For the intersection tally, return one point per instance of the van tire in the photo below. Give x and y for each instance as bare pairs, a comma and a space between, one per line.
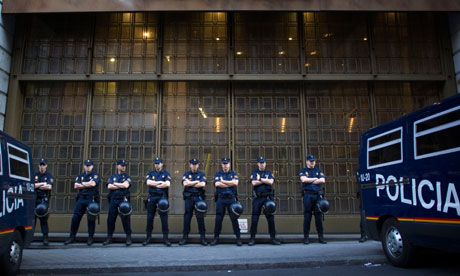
397, 248
11, 257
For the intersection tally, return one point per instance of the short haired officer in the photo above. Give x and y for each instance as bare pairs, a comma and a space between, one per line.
118, 185
226, 182
312, 178
87, 184
44, 182
158, 182
194, 182
262, 181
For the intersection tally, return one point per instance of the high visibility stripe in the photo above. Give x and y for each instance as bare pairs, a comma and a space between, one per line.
7, 231
416, 219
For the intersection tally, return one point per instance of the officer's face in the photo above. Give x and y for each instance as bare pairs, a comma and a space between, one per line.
158, 166
121, 169
194, 167
262, 165
311, 163
42, 168
88, 169
226, 167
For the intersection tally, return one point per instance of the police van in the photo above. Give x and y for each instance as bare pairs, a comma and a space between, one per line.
17, 202
409, 172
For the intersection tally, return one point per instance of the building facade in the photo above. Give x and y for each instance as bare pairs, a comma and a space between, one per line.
203, 84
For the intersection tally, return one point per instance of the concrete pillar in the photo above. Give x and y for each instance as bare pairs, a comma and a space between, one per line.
454, 22
6, 51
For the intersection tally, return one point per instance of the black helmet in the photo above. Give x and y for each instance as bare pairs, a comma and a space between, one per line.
323, 205
93, 210
41, 210
125, 209
269, 207
236, 210
163, 206
201, 207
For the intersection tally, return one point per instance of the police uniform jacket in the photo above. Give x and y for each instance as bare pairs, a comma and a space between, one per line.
86, 177
194, 176
45, 177
263, 174
158, 176
311, 173
229, 176
119, 178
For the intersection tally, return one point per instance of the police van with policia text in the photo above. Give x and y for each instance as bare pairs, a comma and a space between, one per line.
409, 172
17, 202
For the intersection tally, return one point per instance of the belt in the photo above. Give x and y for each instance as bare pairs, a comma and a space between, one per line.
156, 193
264, 194
311, 192
86, 196
118, 197
225, 196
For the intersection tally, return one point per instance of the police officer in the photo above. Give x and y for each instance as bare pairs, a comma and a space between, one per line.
44, 182
158, 182
87, 184
262, 181
194, 182
226, 182
118, 186
312, 178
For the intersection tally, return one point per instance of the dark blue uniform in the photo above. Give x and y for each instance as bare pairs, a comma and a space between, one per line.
262, 193
84, 198
225, 198
155, 194
311, 194
116, 197
43, 196
191, 196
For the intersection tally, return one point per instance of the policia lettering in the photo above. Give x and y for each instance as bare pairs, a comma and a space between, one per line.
158, 182
312, 178
194, 182
262, 180
87, 184
44, 182
118, 197
226, 182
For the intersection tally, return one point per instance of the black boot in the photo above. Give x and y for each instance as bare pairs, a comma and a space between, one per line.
238, 241
203, 240
215, 241
90, 240
274, 241
70, 240
305, 239
363, 238
128, 240
184, 240
45, 240
252, 240
107, 241
147, 239
166, 240
321, 239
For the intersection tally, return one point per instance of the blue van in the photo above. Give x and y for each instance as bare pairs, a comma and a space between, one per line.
409, 172
17, 202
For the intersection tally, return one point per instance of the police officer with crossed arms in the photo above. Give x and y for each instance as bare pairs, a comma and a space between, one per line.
118, 197
312, 179
87, 184
226, 182
44, 182
158, 182
194, 182
262, 181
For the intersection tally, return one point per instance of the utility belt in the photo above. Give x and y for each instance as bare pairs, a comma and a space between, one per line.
217, 195
309, 192
188, 195
269, 194
41, 199
86, 197
157, 193
118, 197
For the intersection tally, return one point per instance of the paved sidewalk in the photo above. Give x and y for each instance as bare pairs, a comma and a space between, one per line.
79, 258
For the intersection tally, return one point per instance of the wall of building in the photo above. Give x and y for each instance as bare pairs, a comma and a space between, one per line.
6, 51
454, 22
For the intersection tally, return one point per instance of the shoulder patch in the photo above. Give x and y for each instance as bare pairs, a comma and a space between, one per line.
95, 176
51, 180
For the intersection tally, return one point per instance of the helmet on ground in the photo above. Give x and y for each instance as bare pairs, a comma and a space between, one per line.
163, 206
236, 210
125, 209
201, 207
269, 207
41, 210
323, 205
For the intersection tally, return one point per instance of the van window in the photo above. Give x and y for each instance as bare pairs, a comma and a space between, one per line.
385, 149
18, 160
437, 134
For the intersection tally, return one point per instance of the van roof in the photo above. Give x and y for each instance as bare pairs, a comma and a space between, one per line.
15, 141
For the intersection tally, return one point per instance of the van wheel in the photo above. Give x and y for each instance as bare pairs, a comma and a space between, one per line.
11, 257
397, 248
